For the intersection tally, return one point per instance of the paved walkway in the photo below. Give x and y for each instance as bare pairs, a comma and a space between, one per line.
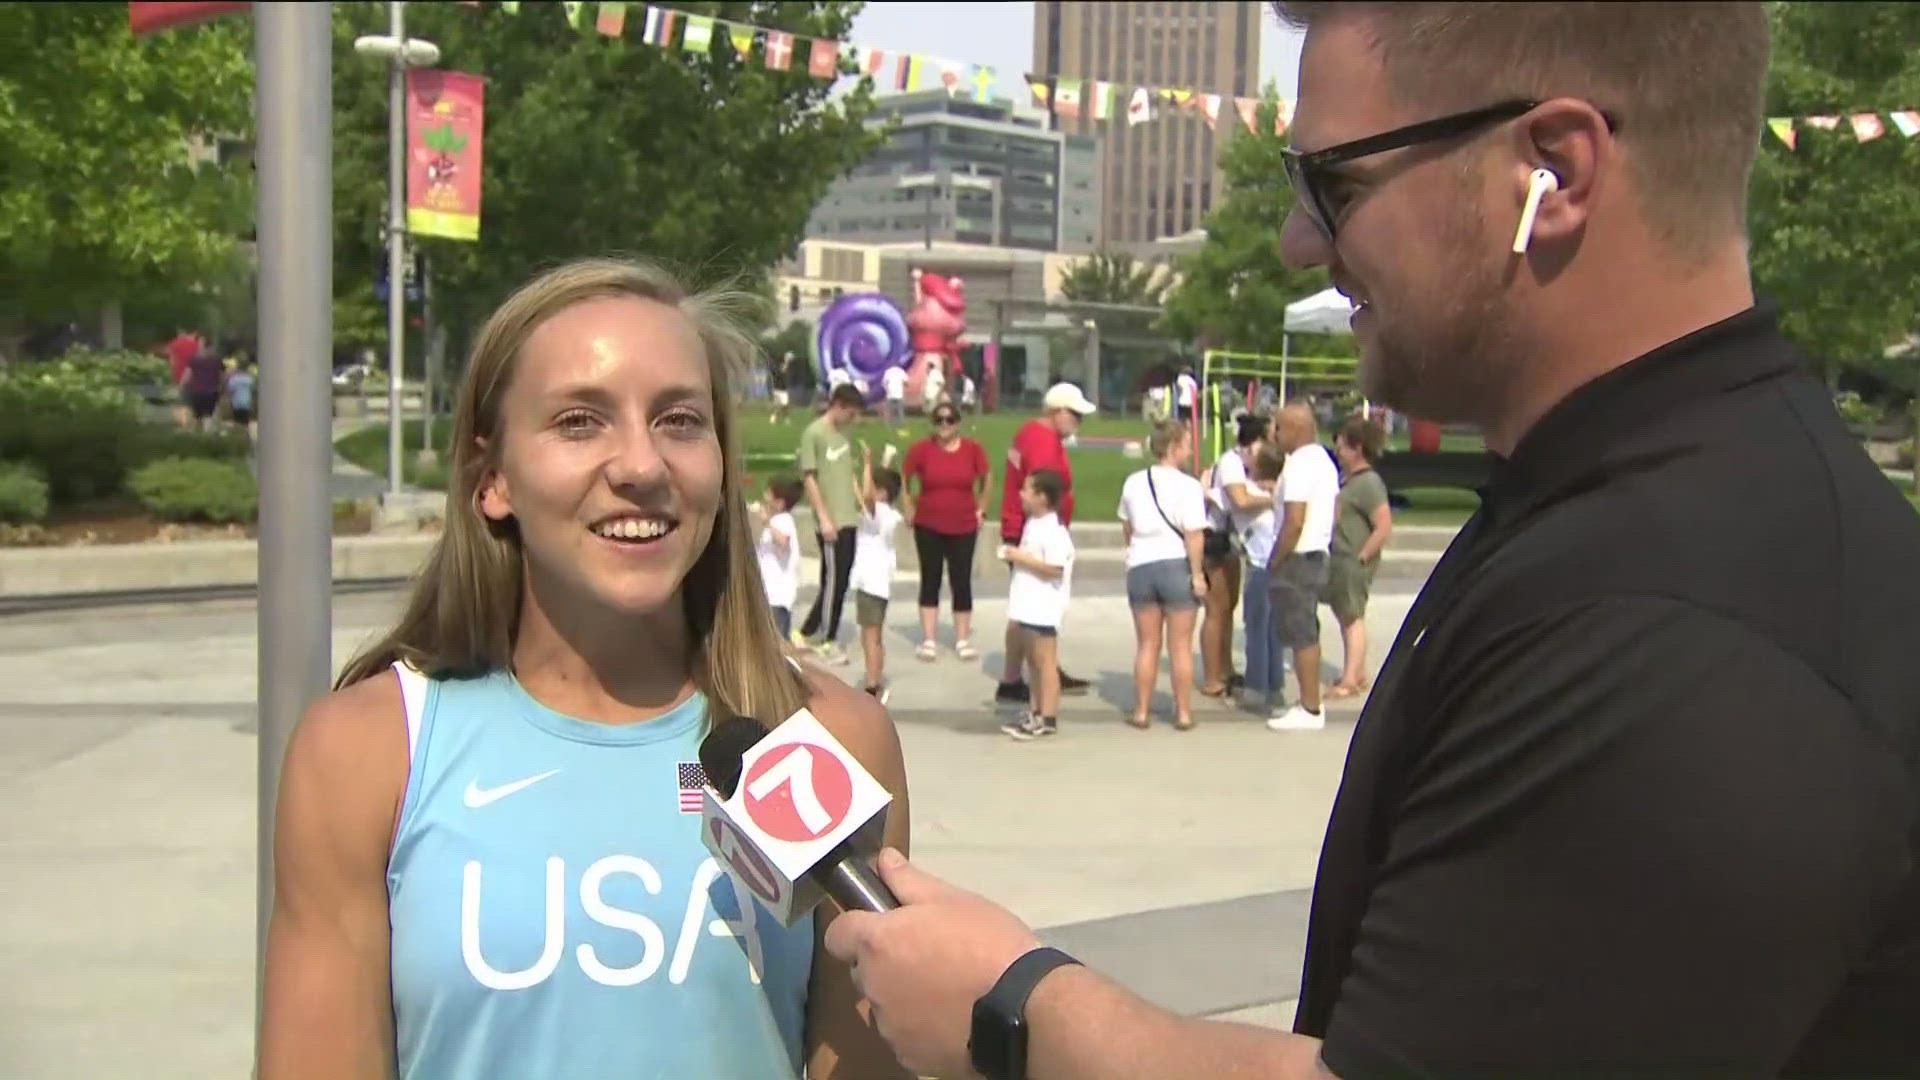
1179, 861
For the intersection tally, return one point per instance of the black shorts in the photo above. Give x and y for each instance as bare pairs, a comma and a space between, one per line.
1038, 631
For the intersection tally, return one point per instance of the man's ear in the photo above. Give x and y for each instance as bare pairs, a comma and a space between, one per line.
492, 496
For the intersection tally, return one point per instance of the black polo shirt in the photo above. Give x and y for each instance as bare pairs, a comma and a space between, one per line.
1635, 794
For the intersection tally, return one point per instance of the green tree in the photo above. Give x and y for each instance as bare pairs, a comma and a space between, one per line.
596, 145
1835, 223
1114, 278
1233, 292
101, 200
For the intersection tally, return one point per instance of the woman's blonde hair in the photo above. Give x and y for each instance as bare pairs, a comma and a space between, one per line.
464, 613
1164, 438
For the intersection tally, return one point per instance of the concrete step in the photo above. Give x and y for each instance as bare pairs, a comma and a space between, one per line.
1426, 540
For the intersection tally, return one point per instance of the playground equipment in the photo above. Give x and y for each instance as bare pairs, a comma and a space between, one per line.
1289, 375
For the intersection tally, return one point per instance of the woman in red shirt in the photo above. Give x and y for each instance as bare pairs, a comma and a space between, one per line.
949, 506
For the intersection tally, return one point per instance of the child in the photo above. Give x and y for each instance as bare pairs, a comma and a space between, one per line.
1266, 661
779, 551
1037, 596
873, 564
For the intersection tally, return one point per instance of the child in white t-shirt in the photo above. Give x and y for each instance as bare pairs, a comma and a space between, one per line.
874, 559
778, 551
1037, 597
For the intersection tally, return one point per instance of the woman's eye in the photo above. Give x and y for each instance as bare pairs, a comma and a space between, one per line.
575, 423
684, 421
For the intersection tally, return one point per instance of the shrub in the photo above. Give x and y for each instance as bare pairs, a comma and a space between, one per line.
151, 442
196, 489
23, 494
75, 432
123, 368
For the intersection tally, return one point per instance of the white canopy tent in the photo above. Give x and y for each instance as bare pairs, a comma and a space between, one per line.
1325, 312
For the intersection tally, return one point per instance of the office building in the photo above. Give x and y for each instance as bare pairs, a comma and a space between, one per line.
1160, 177
960, 171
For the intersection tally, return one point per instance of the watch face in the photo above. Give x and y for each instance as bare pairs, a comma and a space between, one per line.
998, 1045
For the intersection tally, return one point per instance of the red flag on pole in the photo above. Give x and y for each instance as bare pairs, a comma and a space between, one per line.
145, 18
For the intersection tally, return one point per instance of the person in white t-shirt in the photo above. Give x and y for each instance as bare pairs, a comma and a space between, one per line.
874, 559
1042, 576
893, 385
778, 551
933, 388
1297, 568
1231, 504
1163, 518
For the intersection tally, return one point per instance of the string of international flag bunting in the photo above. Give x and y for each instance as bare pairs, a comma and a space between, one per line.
1095, 99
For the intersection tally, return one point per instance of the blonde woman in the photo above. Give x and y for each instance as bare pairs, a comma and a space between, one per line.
484, 867
1163, 518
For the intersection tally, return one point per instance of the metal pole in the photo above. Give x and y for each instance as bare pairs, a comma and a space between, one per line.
293, 72
1093, 362
396, 239
432, 338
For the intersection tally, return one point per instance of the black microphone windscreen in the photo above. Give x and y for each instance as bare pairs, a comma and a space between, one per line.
722, 749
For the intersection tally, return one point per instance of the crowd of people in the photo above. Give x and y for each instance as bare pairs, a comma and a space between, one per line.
1279, 525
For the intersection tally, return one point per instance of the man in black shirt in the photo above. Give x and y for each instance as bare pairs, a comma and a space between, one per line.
1635, 792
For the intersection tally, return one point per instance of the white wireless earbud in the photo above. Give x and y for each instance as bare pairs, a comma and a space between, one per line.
1541, 182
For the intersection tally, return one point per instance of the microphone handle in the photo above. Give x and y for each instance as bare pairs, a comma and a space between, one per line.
853, 883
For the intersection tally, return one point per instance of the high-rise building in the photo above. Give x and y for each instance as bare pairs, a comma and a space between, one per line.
1161, 176
955, 170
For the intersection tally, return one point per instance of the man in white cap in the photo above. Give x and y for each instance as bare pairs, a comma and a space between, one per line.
1039, 444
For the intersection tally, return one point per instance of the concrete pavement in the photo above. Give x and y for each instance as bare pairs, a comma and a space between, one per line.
1180, 861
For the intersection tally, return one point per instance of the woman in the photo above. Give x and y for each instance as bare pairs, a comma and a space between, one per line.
1231, 506
483, 864
1362, 522
1163, 519
949, 506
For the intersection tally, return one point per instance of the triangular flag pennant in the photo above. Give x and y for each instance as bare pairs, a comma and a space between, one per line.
823, 58
574, 9
699, 34
1866, 126
612, 20
779, 50
1183, 98
871, 59
1066, 97
1249, 110
1140, 107
1101, 105
950, 76
1908, 121
1283, 117
741, 37
1824, 123
906, 73
659, 29
1210, 106
511, 7
1782, 128
982, 82
1042, 90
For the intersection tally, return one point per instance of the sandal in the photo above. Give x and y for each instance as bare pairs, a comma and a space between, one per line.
1183, 723
1216, 691
964, 649
1141, 722
1346, 690
927, 650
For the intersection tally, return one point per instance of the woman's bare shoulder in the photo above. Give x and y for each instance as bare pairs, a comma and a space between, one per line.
353, 741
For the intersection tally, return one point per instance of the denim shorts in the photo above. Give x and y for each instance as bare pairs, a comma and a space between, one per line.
1164, 583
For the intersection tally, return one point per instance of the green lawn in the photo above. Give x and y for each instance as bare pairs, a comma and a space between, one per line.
768, 447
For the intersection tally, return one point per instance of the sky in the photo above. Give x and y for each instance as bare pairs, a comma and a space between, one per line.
1000, 35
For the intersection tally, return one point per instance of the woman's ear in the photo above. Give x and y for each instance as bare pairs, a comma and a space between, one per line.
491, 494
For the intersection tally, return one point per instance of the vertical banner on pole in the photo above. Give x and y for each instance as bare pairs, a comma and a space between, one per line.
444, 119
147, 18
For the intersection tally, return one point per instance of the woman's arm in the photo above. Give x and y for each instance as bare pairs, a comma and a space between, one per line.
983, 483
1377, 539
328, 1009
842, 1043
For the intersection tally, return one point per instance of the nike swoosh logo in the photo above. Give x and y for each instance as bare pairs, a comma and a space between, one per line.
838, 452
478, 796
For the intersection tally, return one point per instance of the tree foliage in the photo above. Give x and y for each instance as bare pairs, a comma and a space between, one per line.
596, 145
1835, 223
1234, 292
99, 196
1114, 278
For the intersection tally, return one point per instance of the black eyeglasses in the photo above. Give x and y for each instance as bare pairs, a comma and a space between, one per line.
1324, 194
946, 418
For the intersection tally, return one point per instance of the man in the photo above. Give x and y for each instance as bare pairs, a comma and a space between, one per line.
893, 388
1634, 793
783, 374
1297, 569
1039, 444
827, 470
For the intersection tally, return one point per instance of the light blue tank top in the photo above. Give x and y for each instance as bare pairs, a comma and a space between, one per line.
555, 914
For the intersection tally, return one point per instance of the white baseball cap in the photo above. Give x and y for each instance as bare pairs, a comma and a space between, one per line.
1065, 395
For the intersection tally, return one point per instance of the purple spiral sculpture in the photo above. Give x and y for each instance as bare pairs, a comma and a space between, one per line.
865, 334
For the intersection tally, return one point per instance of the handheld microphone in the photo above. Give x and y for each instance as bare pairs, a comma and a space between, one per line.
794, 816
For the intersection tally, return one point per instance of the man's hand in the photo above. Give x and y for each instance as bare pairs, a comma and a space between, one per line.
925, 963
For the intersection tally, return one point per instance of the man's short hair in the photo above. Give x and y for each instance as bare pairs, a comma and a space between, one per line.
1365, 435
847, 396
1050, 484
1684, 82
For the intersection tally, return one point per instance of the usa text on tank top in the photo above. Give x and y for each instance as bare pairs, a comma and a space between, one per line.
554, 913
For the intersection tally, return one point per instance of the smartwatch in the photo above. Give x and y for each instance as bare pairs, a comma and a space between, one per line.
998, 1043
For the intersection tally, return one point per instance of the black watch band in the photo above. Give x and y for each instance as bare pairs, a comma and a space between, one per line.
998, 1043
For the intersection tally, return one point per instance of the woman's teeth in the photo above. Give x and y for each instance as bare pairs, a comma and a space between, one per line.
634, 529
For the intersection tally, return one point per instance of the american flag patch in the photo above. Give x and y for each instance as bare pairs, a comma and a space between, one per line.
692, 781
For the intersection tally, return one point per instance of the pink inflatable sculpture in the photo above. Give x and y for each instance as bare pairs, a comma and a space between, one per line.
934, 327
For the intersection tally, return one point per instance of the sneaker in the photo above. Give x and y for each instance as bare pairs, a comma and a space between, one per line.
1296, 718
927, 650
799, 641
964, 649
1071, 685
881, 693
1030, 727
828, 652
1017, 726
1012, 693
